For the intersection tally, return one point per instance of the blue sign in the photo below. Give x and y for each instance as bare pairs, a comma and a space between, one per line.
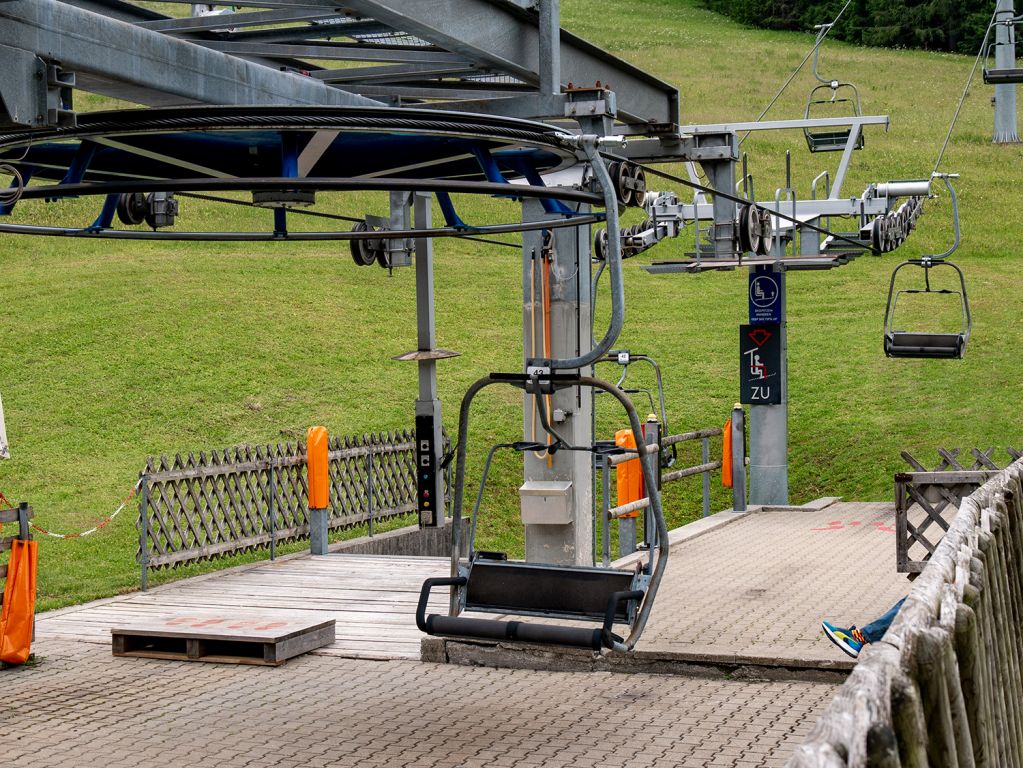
765, 297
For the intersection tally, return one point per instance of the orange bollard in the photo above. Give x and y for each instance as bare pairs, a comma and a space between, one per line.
629, 473
316, 458
726, 454
18, 612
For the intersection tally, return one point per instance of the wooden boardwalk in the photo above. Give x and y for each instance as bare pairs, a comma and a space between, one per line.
371, 598
739, 589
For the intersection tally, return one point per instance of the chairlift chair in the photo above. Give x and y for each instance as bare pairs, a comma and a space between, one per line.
949, 346
916, 344
994, 74
842, 100
488, 582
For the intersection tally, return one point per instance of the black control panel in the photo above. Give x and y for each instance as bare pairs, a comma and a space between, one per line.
426, 471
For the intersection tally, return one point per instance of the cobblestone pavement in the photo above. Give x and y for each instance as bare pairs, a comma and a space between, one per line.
759, 586
82, 707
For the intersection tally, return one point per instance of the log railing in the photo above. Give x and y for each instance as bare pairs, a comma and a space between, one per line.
944, 687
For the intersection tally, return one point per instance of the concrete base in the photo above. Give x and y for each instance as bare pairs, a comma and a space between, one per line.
481, 653
411, 542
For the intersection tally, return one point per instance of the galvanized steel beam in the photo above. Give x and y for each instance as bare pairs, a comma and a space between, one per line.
120, 59
507, 39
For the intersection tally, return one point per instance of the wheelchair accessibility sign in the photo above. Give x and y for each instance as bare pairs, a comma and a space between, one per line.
764, 296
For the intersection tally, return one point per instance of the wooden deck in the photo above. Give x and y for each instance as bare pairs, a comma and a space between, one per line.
371, 598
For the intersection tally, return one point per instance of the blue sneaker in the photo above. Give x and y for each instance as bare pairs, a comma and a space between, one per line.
850, 640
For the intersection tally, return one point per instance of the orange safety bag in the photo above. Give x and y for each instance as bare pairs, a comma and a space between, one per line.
318, 468
16, 617
726, 454
629, 473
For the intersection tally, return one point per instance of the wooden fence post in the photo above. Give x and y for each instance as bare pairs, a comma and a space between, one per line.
908, 722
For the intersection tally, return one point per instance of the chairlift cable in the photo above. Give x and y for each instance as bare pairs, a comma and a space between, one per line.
966, 90
322, 215
817, 44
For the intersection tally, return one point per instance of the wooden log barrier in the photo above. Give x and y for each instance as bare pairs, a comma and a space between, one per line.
944, 688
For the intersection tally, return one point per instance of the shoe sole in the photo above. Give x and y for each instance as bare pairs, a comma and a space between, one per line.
840, 643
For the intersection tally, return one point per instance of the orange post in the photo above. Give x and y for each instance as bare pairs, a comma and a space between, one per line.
316, 458
629, 475
18, 612
726, 454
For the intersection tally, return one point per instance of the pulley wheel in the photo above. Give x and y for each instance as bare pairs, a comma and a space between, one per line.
639, 183
600, 245
765, 232
131, 208
749, 229
877, 235
621, 176
362, 254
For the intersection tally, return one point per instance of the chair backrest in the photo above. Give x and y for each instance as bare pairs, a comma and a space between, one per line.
532, 589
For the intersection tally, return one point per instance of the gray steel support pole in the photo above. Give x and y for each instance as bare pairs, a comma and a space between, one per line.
738, 459
605, 508
705, 457
144, 532
721, 175
318, 531
1006, 127
626, 536
571, 335
769, 429
273, 512
428, 404
651, 436
550, 46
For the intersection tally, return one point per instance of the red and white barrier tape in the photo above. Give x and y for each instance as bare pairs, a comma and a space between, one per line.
95, 528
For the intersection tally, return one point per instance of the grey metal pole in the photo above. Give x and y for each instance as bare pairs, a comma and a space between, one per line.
1006, 129
769, 429
565, 274
144, 531
369, 491
739, 458
605, 504
705, 456
273, 511
651, 436
430, 485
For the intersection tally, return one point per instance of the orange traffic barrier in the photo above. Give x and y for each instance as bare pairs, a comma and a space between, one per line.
629, 473
726, 454
317, 464
18, 612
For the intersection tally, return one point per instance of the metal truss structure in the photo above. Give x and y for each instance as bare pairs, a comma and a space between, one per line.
592, 131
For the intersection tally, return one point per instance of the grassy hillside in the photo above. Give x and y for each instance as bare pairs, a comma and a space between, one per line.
113, 352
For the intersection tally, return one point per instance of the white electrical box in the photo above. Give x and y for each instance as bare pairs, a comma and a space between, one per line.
546, 502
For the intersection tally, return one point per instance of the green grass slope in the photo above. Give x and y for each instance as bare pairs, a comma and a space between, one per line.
112, 352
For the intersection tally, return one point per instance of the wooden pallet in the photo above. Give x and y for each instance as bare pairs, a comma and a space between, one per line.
266, 639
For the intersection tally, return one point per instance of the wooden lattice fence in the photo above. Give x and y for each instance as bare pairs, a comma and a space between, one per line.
942, 688
197, 507
927, 500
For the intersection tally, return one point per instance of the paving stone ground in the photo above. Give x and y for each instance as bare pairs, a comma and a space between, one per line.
756, 586
82, 707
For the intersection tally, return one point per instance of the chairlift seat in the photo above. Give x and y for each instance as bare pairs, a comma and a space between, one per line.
536, 589
1006, 76
584, 593
944, 346
831, 141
